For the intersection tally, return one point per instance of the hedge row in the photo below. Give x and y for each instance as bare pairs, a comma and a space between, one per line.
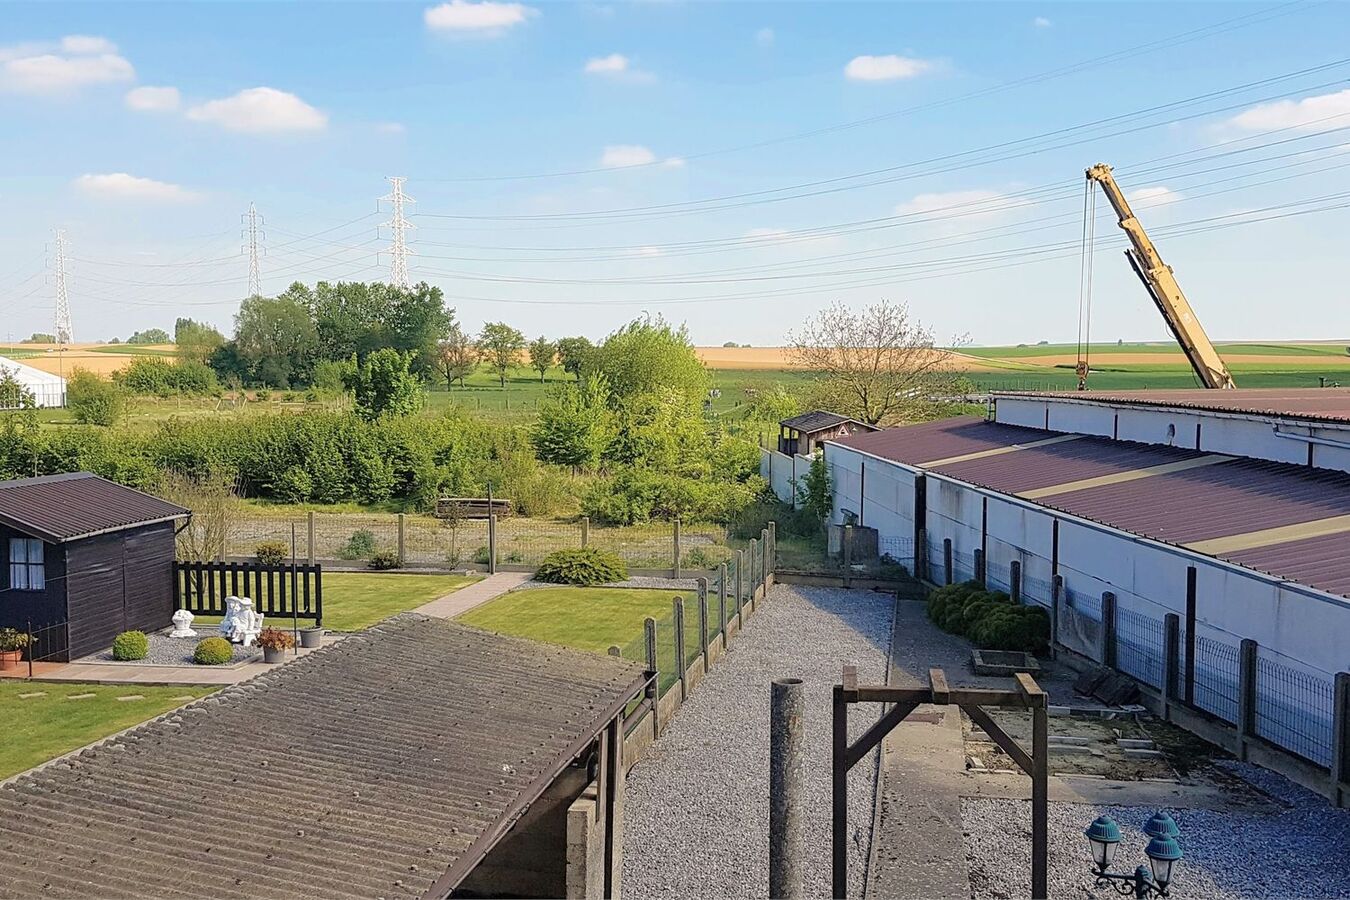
989, 618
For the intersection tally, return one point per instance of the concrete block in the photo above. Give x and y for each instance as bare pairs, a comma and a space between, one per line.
1135, 743
1070, 749
1141, 754
1058, 710
1067, 739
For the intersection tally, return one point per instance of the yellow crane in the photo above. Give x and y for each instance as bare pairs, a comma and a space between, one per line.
1162, 286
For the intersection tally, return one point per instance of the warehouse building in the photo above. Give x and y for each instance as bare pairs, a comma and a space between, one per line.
44, 388
1230, 509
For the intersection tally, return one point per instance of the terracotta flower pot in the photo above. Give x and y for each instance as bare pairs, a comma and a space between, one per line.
9, 659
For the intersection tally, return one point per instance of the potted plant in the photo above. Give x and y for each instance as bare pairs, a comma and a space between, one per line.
311, 638
12, 644
275, 643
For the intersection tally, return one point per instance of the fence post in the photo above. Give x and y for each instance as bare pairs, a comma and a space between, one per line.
492, 543
1191, 595
848, 555
402, 540
1171, 660
979, 567
678, 605
722, 601
649, 638
1246, 695
921, 554
1340, 741
773, 547
750, 575
676, 567
703, 622
1056, 598
740, 587
787, 787
1015, 581
29, 654
947, 560
1108, 629
764, 561
309, 537
585, 531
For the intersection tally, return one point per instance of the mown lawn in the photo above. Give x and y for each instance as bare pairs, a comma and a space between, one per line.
356, 600
40, 728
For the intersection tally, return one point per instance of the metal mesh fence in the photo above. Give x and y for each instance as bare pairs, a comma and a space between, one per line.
1139, 646
1086, 603
1216, 678
1294, 709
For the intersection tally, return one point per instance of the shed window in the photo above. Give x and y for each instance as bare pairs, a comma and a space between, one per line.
26, 569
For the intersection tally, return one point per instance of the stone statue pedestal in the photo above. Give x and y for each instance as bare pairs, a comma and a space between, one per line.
182, 625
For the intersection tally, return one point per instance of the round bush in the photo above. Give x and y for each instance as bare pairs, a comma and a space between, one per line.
213, 651
583, 566
130, 645
272, 553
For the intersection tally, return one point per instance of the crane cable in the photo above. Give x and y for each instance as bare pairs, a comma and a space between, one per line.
1085, 282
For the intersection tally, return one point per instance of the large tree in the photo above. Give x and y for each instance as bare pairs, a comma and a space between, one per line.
501, 345
458, 357
877, 365
575, 424
196, 340
276, 340
650, 354
358, 318
543, 352
573, 353
384, 385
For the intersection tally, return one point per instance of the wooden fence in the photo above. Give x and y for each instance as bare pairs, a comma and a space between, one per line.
284, 591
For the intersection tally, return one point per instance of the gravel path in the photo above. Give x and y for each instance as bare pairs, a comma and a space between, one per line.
697, 808
1296, 852
169, 651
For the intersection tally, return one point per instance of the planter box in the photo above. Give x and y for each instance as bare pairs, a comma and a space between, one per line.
311, 638
1003, 662
271, 655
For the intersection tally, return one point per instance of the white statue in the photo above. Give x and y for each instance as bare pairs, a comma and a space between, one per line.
241, 624
182, 625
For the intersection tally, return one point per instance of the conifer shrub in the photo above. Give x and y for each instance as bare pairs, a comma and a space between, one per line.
213, 651
582, 565
130, 645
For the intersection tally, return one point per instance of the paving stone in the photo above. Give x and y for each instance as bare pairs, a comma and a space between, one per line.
130, 697
1066, 739
81, 696
1135, 743
1070, 749
184, 699
1137, 753
32, 694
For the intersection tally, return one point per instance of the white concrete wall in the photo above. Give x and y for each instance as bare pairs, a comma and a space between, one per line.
782, 473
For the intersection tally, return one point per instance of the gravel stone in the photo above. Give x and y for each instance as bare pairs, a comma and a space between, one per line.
696, 812
1298, 851
171, 651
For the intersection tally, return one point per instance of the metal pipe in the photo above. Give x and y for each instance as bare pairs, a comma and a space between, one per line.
787, 784
1312, 439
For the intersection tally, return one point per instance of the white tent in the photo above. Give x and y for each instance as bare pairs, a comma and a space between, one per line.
47, 389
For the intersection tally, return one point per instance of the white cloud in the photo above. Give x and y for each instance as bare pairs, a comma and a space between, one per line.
619, 156
1041, 22
886, 68
74, 62
1310, 112
673, 162
391, 128
152, 99
963, 204
764, 37
607, 65
464, 17
260, 110
1153, 196
121, 186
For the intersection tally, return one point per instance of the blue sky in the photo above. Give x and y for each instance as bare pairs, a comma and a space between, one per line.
567, 160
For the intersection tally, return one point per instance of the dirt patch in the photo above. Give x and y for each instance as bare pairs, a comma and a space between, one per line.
1078, 746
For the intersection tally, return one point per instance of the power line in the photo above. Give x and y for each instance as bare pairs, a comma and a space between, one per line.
251, 236
398, 249
63, 331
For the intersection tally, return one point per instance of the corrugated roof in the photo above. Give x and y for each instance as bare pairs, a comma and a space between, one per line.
368, 769
60, 508
1279, 518
816, 420
1328, 404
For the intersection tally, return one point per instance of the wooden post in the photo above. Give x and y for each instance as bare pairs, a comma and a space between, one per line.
703, 622
1015, 581
750, 575
402, 540
309, 537
773, 547
979, 567
787, 789
848, 555
1171, 658
1340, 742
1108, 648
947, 560
1246, 695
722, 602
649, 637
740, 586
676, 567
680, 664
764, 561
492, 542
1056, 598
839, 796
585, 531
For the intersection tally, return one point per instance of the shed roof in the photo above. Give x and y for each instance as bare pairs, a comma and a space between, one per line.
818, 420
60, 508
1279, 518
1320, 404
381, 766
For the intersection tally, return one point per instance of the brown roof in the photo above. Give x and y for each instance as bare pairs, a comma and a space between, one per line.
1279, 518
1327, 404
372, 768
58, 508
819, 420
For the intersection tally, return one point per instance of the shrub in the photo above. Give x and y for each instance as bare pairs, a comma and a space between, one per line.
213, 651
262, 394
272, 553
275, 639
582, 565
989, 618
94, 400
130, 645
13, 639
383, 560
361, 545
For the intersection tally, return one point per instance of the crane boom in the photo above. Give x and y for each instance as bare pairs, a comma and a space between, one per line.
1163, 288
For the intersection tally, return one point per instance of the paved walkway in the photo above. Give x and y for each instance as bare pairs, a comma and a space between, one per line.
476, 594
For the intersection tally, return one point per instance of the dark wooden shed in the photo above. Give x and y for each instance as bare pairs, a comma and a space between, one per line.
84, 552
801, 435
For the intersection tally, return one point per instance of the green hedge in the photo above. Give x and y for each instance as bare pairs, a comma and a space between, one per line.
990, 619
582, 565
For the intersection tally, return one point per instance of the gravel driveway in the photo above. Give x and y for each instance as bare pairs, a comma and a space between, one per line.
697, 808
1296, 852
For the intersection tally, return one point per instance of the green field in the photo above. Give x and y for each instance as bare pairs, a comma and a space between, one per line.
40, 728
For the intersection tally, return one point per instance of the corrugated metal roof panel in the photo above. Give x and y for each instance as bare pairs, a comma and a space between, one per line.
916, 444
367, 769
1319, 560
1332, 404
60, 508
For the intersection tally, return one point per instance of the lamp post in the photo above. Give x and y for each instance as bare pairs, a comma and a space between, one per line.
1163, 852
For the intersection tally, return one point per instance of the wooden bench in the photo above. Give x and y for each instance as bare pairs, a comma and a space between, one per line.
472, 507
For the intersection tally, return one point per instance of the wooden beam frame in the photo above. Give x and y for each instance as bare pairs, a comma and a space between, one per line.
1026, 694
